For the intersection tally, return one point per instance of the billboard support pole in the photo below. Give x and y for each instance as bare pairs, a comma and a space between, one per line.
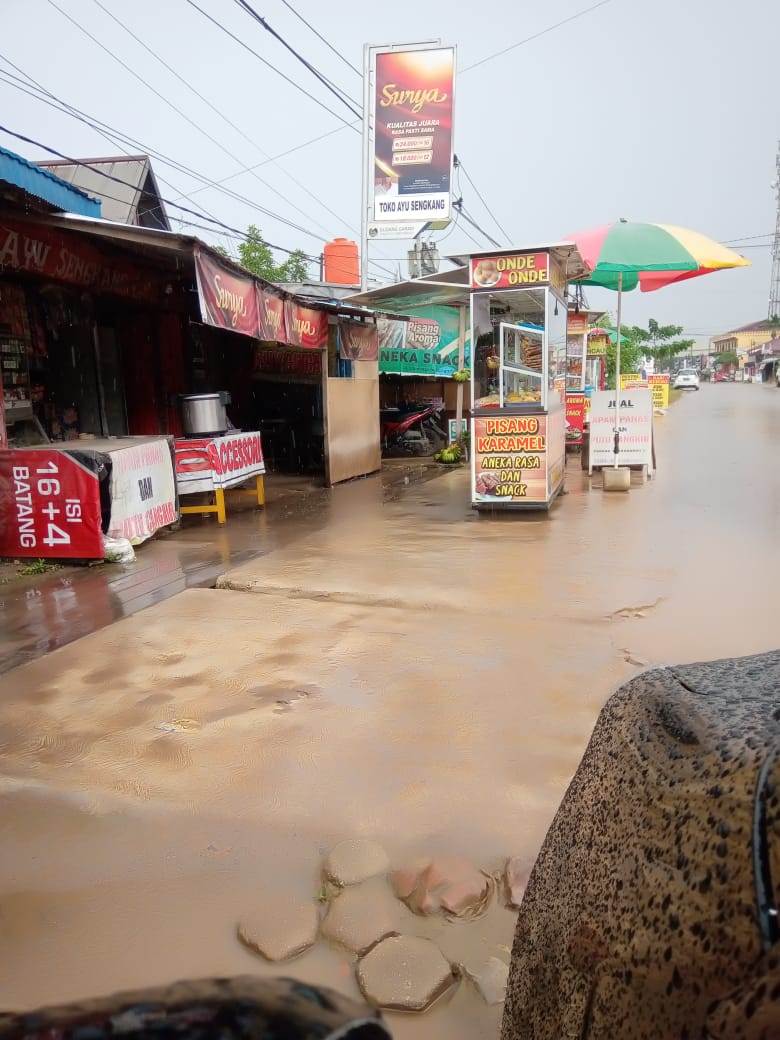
366, 190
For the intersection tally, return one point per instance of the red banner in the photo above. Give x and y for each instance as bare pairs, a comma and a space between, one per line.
575, 417
288, 362
358, 342
49, 505
305, 327
270, 309
218, 462
227, 299
577, 324
61, 257
511, 271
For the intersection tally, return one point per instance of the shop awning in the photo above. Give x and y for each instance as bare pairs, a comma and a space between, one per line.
23, 181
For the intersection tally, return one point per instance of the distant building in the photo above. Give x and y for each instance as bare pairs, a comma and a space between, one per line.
125, 184
744, 339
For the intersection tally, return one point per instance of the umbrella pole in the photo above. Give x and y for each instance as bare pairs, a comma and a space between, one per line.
617, 368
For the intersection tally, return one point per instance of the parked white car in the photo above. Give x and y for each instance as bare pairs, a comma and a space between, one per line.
686, 379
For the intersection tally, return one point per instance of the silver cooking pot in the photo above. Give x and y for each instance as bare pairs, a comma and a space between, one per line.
204, 414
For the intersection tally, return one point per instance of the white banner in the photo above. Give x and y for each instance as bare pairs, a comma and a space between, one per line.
635, 417
218, 462
143, 490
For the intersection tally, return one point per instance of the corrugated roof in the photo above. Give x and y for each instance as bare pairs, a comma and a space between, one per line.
40, 185
122, 182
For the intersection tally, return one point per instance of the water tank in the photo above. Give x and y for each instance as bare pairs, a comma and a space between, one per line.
342, 263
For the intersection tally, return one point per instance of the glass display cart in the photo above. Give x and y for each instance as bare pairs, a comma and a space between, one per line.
519, 368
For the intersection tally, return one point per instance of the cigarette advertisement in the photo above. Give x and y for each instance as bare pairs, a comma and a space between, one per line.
412, 119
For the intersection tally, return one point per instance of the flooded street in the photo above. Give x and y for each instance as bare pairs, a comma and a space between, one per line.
392, 666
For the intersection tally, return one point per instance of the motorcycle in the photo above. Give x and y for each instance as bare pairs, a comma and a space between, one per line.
413, 430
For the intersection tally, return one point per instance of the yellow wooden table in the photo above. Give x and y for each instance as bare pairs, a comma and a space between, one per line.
218, 466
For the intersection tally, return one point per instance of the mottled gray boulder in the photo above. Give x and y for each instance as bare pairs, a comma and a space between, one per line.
647, 914
355, 860
404, 973
280, 927
361, 915
212, 1009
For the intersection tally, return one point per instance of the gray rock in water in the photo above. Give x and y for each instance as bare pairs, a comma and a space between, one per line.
361, 915
356, 860
280, 928
490, 979
404, 973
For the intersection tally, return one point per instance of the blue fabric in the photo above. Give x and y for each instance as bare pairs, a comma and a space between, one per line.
44, 185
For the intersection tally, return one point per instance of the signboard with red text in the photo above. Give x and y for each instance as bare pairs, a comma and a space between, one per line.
218, 462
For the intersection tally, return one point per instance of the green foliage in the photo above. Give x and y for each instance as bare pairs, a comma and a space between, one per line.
728, 357
222, 251
36, 567
661, 342
256, 256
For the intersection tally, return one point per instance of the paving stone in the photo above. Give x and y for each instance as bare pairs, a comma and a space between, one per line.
356, 860
404, 973
453, 886
361, 915
490, 979
281, 928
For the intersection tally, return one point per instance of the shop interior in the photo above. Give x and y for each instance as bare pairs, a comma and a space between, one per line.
508, 332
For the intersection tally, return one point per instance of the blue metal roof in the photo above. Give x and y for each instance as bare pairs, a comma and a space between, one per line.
60, 195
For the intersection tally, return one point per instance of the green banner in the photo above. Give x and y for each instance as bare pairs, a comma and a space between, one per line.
426, 345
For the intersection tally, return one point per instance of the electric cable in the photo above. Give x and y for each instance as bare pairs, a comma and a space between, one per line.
341, 95
319, 36
259, 57
458, 164
536, 36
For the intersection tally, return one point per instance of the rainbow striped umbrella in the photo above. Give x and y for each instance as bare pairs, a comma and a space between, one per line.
649, 255
625, 254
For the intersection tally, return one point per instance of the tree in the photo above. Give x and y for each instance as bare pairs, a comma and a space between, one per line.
660, 342
728, 357
256, 256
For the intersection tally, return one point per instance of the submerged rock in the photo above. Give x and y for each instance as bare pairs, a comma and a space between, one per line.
356, 860
404, 973
452, 886
280, 928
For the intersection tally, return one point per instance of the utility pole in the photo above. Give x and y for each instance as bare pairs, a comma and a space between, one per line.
774, 287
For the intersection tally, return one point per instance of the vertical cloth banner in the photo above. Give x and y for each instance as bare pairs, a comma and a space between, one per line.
305, 327
358, 342
412, 117
270, 310
228, 300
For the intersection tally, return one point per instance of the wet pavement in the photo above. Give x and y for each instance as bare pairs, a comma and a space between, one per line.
390, 666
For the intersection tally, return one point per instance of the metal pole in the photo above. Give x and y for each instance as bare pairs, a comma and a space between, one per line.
461, 359
366, 193
617, 368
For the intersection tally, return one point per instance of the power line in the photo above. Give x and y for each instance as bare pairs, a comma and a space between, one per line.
259, 57
342, 96
224, 118
127, 184
96, 125
321, 37
458, 204
481, 197
536, 36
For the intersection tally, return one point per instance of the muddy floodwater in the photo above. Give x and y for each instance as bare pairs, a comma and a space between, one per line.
394, 667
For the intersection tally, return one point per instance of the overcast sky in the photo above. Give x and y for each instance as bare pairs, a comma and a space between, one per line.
663, 111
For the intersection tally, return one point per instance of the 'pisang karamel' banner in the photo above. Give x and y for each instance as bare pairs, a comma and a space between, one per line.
510, 459
412, 119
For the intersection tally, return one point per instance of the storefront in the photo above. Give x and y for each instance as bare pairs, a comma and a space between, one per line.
516, 310
584, 373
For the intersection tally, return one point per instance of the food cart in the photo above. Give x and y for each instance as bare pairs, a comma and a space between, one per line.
519, 375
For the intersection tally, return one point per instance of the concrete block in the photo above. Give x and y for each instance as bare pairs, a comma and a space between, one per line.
616, 479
